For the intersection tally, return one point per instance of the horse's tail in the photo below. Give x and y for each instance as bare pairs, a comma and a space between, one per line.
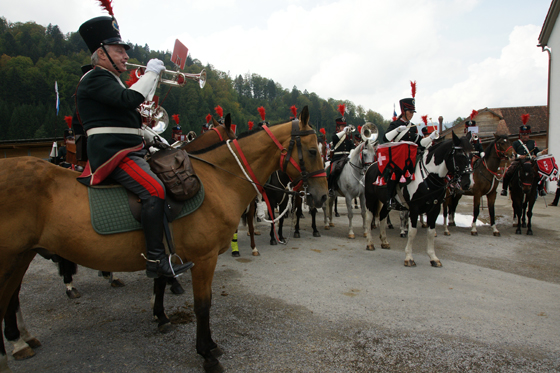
244, 217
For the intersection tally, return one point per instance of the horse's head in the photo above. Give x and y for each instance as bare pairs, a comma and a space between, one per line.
224, 129
502, 147
459, 164
363, 155
305, 150
528, 175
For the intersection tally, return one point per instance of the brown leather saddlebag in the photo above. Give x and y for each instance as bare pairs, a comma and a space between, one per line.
174, 168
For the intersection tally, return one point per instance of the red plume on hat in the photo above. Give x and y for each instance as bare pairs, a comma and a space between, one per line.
133, 78
474, 114
342, 109
68, 120
250, 124
293, 108
413, 86
208, 118
425, 119
219, 111
107, 4
175, 118
525, 118
262, 112
322, 130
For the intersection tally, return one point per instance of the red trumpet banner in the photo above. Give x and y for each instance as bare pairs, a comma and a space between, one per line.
179, 56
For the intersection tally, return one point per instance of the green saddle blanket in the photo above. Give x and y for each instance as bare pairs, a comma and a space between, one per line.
110, 212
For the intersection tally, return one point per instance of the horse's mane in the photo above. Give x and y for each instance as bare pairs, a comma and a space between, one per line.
242, 135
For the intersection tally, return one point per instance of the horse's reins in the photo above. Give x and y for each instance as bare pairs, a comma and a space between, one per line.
501, 155
363, 168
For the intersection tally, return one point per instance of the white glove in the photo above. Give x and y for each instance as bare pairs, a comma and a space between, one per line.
155, 65
401, 128
425, 142
482, 154
434, 135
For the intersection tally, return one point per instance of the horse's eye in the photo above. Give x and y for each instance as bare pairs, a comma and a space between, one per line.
313, 152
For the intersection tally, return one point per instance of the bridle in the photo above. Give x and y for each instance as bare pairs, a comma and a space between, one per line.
364, 167
457, 172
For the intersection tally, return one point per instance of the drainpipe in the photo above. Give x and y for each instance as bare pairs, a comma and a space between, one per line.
547, 49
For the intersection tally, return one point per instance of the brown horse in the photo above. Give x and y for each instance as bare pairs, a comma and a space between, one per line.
33, 191
486, 181
19, 336
523, 191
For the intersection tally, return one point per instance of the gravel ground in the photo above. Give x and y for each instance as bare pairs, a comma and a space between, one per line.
324, 305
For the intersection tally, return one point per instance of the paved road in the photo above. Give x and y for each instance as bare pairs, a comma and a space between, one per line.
325, 305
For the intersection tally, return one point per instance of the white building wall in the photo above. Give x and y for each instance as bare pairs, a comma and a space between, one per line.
554, 98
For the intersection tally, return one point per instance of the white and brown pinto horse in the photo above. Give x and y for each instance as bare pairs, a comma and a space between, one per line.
33, 190
424, 194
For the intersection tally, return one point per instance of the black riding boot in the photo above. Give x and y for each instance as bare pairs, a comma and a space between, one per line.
505, 184
556, 197
159, 263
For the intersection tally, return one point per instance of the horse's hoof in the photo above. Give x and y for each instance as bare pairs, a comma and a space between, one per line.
386, 246
176, 288
165, 328
236, 254
451, 224
33, 343
514, 225
446, 234
435, 263
403, 235
351, 236
256, 253
424, 225
213, 367
296, 235
331, 224
316, 234
217, 352
273, 242
24, 353
257, 233
370, 247
327, 227
302, 216
529, 233
390, 226
73, 294
435, 234
337, 214
409, 263
518, 231
497, 234
117, 283
474, 233
365, 234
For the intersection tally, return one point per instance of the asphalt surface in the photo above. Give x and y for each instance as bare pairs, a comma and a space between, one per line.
325, 305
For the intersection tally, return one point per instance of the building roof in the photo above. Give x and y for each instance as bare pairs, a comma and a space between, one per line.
549, 23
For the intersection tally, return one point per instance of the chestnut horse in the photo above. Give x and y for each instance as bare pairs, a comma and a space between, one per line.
20, 337
486, 181
35, 189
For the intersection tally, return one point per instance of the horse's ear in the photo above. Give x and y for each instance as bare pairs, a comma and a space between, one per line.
304, 117
456, 139
469, 135
496, 136
215, 123
227, 121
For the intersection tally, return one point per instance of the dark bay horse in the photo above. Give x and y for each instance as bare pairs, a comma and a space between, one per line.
424, 194
22, 340
33, 191
523, 192
486, 181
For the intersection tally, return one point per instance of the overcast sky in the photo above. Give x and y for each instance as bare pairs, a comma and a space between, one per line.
463, 54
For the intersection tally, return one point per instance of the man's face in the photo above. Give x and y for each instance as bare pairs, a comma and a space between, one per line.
408, 114
118, 55
524, 137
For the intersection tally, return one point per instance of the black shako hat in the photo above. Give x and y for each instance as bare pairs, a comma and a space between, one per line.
470, 123
525, 129
408, 104
100, 31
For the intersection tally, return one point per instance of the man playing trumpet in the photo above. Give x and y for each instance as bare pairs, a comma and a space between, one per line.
342, 144
108, 113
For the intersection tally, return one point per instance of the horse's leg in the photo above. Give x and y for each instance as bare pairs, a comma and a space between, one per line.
491, 199
383, 214
328, 213
412, 230
348, 200
367, 226
158, 309
114, 281
299, 213
431, 218
476, 211
272, 237
403, 215
518, 212
16, 332
336, 214
313, 212
445, 210
389, 224
452, 210
529, 216
67, 269
524, 212
251, 227
202, 275
369, 219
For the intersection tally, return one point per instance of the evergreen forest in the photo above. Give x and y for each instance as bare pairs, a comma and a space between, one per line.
34, 57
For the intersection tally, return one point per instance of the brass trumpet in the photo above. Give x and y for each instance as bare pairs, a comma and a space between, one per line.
177, 78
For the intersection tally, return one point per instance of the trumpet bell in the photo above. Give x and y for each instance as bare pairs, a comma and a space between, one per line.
155, 117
